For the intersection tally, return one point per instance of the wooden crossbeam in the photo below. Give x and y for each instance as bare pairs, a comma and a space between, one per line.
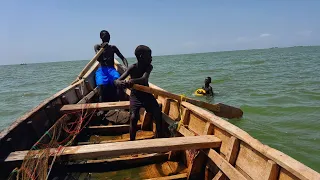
231, 156
141, 135
88, 96
127, 148
113, 164
101, 106
177, 176
114, 129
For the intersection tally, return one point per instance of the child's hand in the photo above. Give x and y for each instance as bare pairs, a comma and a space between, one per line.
119, 83
129, 83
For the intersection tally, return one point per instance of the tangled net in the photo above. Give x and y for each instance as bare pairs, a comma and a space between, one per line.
36, 163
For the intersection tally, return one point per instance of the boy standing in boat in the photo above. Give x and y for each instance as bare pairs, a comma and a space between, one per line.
106, 73
139, 73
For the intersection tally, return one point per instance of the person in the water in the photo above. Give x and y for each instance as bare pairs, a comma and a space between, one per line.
207, 87
106, 73
139, 73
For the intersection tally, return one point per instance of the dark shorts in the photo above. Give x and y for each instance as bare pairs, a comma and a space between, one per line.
140, 99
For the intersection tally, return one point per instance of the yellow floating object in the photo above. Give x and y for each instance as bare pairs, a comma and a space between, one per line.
200, 92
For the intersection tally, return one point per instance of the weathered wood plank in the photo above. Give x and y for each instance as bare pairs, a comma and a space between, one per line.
174, 110
273, 170
92, 106
219, 176
293, 166
88, 96
231, 155
196, 170
114, 129
233, 150
252, 162
131, 147
113, 164
286, 175
177, 176
125, 137
225, 138
225, 166
166, 106
196, 123
208, 129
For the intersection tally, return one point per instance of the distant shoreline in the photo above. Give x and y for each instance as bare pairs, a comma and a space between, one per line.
270, 48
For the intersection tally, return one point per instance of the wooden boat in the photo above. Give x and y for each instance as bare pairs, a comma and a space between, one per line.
203, 146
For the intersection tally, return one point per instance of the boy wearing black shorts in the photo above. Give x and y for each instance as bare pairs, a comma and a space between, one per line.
139, 73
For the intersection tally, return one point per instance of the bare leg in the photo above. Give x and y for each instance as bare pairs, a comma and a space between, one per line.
133, 125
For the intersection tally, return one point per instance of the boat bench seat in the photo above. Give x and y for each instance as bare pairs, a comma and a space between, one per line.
117, 149
101, 106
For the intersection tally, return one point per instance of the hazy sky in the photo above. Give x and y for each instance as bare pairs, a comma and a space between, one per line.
60, 30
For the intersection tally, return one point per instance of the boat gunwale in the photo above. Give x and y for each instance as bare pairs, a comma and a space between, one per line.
283, 160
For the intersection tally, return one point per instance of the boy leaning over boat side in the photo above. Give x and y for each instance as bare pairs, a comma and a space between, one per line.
106, 73
140, 73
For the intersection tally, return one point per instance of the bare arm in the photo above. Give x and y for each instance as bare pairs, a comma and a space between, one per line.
125, 74
211, 91
124, 60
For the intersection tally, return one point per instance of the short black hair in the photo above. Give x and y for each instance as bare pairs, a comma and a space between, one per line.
208, 78
105, 36
141, 49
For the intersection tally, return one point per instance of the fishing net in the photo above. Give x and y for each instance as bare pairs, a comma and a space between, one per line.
35, 165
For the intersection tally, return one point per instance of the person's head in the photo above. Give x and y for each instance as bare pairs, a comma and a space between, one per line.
105, 36
143, 54
207, 80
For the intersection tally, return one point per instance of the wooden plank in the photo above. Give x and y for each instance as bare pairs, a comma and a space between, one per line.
225, 166
273, 170
252, 162
92, 106
88, 96
219, 176
177, 176
196, 123
286, 175
125, 137
71, 96
174, 111
233, 150
78, 92
186, 116
231, 155
225, 138
113, 164
196, 170
131, 147
185, 132
114, 129
293, 166
166, 106
208, 129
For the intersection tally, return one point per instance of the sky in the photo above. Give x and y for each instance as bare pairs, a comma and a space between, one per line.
65, 30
